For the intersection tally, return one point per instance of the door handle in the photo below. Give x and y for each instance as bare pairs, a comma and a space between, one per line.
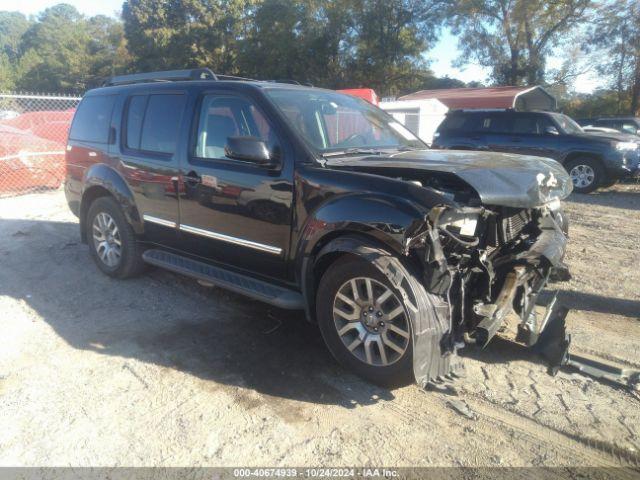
192, 179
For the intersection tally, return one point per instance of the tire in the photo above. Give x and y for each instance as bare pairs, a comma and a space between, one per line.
338, 280
607, 183
586, 174
125, 259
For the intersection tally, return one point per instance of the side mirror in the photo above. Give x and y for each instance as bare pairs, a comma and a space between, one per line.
249, 149
551, 131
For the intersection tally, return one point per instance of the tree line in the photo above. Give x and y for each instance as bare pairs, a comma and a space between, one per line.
381, 44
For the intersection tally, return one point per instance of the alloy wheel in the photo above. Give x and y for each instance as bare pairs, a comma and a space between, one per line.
106, 239
582, 176
371, 321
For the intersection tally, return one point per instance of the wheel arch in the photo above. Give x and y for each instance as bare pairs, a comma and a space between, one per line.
330, 249
590, 155
429, 315
100, 181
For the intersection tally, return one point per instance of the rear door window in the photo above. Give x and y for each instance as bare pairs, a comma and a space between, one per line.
492, 123
152, 122
135, 116
92, 119
161, 122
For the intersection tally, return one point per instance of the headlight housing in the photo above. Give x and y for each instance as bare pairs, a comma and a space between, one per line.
460, 223
626, 146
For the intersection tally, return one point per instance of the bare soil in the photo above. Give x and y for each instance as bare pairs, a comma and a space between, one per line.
159, 371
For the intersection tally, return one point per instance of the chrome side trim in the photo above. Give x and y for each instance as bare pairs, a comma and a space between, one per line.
159, 221
235, 240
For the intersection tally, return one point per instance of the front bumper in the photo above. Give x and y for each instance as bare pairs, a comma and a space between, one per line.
532, 270
623, 164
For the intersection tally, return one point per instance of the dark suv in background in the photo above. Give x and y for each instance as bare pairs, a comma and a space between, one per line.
630, 125
592, 160
309, 199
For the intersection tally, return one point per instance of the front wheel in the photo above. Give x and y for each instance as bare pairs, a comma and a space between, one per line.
365, 322
586, 174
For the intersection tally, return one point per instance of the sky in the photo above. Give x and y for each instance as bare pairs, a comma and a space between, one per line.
446, 51
441, 56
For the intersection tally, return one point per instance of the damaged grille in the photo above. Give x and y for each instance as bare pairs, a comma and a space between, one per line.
512, 223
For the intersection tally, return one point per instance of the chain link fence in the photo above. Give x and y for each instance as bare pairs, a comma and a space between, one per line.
33, 138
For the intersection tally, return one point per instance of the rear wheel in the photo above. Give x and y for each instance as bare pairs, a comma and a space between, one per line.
112, 241
586, 174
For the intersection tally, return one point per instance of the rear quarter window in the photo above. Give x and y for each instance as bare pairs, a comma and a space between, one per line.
92, 119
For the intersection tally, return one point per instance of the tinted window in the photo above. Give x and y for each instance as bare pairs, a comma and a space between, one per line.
460, 123
160, 124
222, 117
524, 124
492, 123
332, 122
629, 127
92, 119
135, 115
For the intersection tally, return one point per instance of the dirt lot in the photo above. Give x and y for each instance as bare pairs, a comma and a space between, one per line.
161, 371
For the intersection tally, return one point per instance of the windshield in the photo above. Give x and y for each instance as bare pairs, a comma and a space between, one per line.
335, 123
567, 124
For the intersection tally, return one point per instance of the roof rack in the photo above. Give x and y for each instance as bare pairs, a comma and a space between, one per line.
178, 75
289, 81
164, 76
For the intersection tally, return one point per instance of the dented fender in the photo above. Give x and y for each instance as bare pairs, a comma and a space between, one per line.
429, 315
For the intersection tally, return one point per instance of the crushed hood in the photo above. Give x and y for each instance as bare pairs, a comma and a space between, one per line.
499, 178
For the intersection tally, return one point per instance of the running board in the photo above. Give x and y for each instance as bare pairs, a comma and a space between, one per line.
242, 284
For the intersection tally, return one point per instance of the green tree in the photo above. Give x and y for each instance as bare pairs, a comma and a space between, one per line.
390, 38
13, 25
185, 33
616, 31
587, 105
513, 37
299, 40
106, 49
7, 73
58, 39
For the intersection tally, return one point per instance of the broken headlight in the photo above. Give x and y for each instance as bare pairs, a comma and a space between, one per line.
626, 146
459, 223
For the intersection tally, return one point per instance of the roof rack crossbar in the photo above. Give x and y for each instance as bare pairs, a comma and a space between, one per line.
163, 76
289, 81
235, 77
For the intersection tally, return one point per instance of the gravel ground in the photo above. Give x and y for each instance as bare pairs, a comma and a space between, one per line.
161, 371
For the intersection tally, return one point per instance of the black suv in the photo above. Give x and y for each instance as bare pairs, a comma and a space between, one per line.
309, 199
592, 160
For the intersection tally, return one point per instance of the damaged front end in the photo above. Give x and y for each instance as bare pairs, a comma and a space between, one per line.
490, 263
